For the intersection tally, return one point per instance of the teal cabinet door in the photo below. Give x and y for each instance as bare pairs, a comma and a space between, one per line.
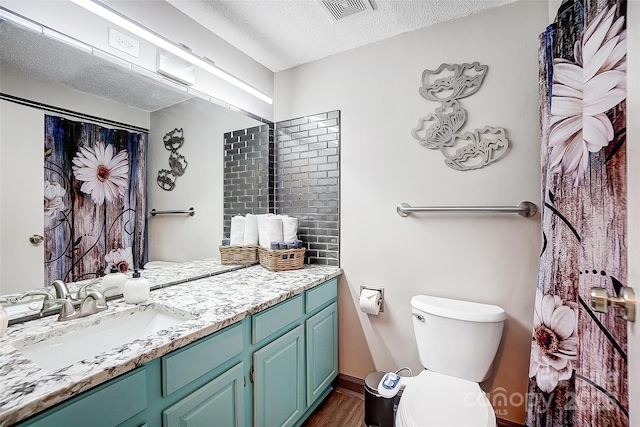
322, 351
279, 381
218, 403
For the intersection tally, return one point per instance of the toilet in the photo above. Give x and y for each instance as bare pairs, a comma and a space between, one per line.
457, 342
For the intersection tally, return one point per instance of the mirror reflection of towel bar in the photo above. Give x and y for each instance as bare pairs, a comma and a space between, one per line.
524, 209
190, 212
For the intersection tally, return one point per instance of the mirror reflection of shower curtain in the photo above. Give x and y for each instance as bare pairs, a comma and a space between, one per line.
578, 364
94, 199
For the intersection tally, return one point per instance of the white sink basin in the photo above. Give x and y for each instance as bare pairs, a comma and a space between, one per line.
74, 346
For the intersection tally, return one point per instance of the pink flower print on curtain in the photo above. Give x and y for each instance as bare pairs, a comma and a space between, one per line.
103, 175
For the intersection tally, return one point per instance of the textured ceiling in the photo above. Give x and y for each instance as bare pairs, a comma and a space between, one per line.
281, 34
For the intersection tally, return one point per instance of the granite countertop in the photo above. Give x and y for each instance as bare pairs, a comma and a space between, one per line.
210, 304
158, 277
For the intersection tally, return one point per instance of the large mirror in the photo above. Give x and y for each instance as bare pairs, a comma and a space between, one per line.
45, 71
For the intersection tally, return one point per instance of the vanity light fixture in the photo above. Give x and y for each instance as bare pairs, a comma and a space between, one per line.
9, 16
66, 39
5, 15
198, 94
176, 85
134, 28
111, 58
146, 73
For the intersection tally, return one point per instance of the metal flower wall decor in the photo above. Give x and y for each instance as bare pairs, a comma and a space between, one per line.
441, 130
177, 163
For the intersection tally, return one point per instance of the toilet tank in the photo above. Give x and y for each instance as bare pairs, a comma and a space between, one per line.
457, 338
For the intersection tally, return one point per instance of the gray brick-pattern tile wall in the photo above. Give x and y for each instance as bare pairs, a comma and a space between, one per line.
307, 182
248, 183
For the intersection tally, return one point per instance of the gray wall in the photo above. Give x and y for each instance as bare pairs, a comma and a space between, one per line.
295, 173
248, 158
308, 182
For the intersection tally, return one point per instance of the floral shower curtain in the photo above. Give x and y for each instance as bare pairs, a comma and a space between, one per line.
94, 199
578, 364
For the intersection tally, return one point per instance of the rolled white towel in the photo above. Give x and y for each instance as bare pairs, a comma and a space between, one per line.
237, 230
269, 230
262, 221
251, 236
289, 229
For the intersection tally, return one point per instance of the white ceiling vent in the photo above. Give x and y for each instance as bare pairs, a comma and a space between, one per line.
341, 9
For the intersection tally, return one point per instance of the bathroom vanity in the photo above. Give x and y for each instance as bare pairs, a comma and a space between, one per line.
247, 347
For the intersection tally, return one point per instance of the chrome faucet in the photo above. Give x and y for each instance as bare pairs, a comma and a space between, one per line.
47, 297
67, 310
61, 290
94, 302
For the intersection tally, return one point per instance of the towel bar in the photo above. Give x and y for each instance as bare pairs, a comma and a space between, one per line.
190, 212
524, 209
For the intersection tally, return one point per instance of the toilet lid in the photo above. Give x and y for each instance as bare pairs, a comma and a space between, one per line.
433, 399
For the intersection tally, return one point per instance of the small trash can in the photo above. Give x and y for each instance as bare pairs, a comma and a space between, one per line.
378, 410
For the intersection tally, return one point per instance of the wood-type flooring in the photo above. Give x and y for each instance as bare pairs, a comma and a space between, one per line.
340, 409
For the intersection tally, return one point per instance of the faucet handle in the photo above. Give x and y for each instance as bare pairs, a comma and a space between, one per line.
99, 297
82, 291
93, 303
47, 295
67, 310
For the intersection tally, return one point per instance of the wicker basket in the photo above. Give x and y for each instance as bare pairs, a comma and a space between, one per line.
238, 255
282, 259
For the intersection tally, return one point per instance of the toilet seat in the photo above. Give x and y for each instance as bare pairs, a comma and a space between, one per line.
433, 399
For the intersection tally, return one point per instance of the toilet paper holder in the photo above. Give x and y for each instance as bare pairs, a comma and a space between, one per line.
381, 290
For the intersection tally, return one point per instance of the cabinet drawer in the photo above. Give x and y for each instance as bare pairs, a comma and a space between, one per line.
107, 405
321, 294
190, 363
275, 318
